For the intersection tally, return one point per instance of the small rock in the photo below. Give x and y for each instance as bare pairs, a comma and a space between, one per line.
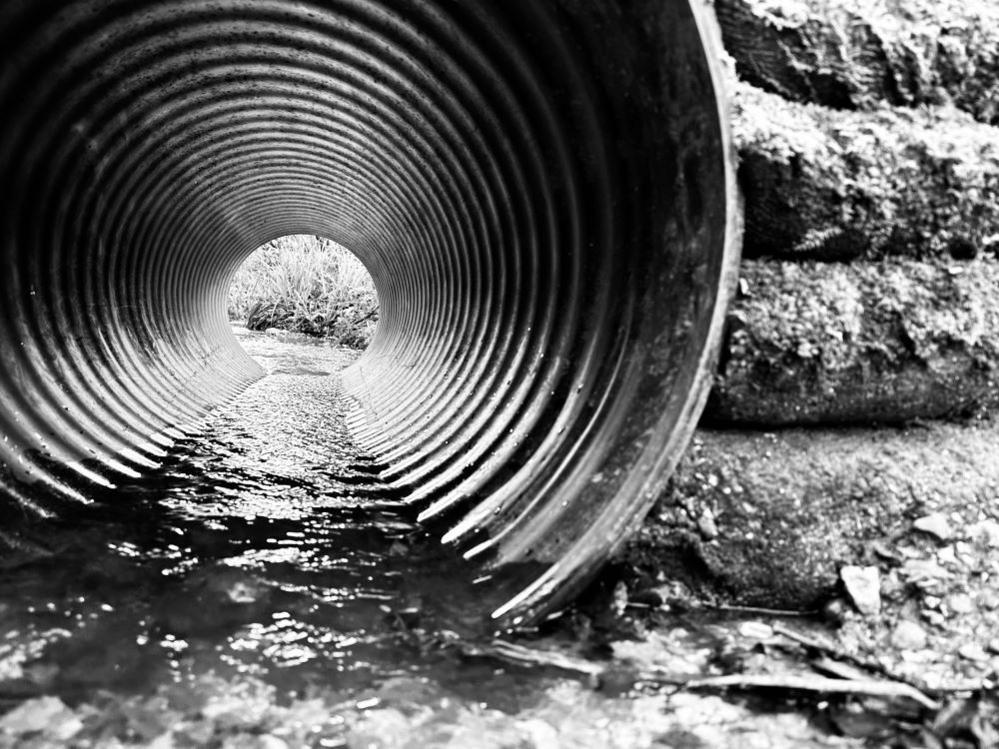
936, 525
986, 533
835, 611
947, 556
935, 618
961, 603
908, 636
398, 549
269, 741
863, 586
884, 551
42, 714
756, 630
924, 572
543, 735
619, 603
706, 525
993, 646
163, 741
988, 600
972, 651
242, 592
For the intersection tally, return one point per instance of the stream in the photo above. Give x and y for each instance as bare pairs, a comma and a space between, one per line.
265, 589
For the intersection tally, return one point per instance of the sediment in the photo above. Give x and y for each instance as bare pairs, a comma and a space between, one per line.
768, 518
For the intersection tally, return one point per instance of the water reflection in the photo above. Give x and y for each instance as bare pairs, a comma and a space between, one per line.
265, 590
262, 547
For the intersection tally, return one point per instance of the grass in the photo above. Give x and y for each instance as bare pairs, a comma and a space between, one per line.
306, 284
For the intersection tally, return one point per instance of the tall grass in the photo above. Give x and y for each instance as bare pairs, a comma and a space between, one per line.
306, 284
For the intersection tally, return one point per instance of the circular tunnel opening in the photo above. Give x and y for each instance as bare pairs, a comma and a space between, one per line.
305, 284
542, 193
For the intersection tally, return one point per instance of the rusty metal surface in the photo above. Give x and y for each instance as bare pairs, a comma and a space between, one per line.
542, 192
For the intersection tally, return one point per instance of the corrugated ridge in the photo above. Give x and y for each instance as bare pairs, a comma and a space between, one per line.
542, 193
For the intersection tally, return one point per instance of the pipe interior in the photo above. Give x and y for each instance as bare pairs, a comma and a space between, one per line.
541, 192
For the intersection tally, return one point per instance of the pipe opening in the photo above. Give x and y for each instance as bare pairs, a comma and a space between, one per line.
542, 193
305, 284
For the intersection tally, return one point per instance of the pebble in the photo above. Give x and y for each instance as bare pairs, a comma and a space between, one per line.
398, 549
756, 630
947, 556
935, 618
163, 741
42, 714
993, 646
863, 585
972, 651
923, 571
707, 526
936, 525
961, 603
269, 741
242, 592
985, 532
908, 636
836, 611
543, 734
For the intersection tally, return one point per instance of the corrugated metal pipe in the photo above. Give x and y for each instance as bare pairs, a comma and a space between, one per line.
542, 191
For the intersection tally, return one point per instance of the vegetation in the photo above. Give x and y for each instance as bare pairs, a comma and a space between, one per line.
306, 284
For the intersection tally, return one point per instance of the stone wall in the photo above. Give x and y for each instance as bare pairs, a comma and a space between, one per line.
869, 162
858, 54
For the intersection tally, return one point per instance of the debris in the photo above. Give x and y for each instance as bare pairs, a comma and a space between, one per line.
863, 585
821, 684
935, 524
525, 656
841, 663
763, 611
831, 667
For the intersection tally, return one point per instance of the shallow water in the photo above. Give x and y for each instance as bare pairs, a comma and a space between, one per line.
266, 584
